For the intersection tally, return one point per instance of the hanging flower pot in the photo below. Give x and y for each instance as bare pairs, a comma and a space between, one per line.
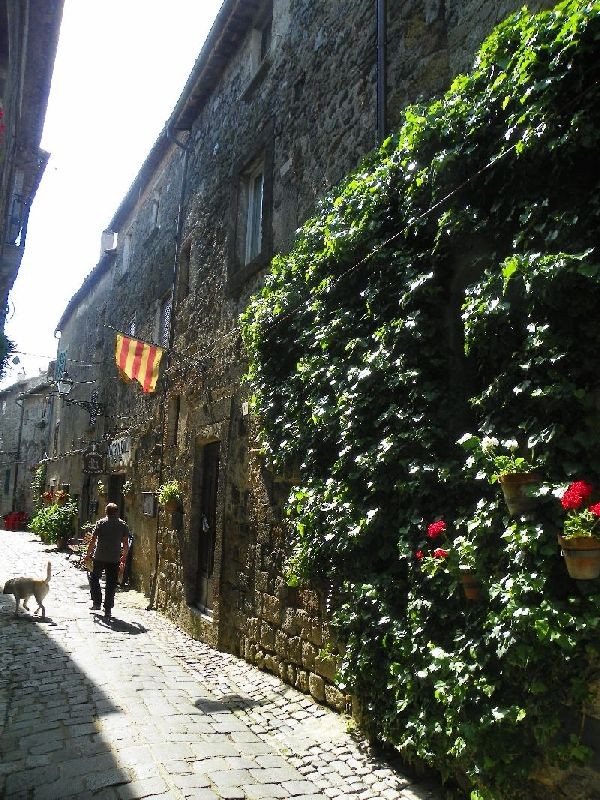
471, 584
169, 496
582, 556
580, 542
514, 488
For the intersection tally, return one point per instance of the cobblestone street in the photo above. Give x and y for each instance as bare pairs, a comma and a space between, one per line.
139, 709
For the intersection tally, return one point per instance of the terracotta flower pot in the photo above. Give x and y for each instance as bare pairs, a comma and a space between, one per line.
582, 557
471, 584
512, 485
172, 505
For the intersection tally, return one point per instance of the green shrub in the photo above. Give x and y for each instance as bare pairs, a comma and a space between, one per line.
168, 492
54, 522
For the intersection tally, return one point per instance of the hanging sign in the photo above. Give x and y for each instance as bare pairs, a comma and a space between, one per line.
93, 462
60, 365
119, 452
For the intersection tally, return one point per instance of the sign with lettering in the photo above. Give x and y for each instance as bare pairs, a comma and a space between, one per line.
93, 462
119, 452
60, 365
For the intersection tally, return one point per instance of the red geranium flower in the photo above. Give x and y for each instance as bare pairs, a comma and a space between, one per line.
436, 529
576, 494
595, 509
419, 555
440, 553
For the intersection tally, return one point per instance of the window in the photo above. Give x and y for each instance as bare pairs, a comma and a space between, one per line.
173, 419
251, 208
6, 481
184, 280
253, 191
126, 253
131, 326
165, 322
155, 211
56, 435
259, 49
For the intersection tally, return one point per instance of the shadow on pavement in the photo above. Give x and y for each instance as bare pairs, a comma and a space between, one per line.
120, 625
229, 702
51, 743
28, 617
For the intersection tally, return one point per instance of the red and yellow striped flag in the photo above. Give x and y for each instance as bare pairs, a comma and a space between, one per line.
138, 361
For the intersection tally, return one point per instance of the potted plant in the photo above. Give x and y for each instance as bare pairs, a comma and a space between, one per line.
54, 523
504, 464
580, 540
169, 495
467, 571
457, 557
101, 489
127, 490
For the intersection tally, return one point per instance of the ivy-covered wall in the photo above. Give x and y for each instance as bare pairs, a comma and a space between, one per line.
445, 295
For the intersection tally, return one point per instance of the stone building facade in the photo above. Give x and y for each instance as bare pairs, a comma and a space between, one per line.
25, 411
284, 100
28, 39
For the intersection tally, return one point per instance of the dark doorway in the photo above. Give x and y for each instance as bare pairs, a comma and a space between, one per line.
115, 492
207, 472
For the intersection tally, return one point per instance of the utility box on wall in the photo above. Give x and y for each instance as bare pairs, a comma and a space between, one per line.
148, 504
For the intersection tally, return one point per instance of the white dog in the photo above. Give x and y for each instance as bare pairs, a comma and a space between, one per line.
23, 588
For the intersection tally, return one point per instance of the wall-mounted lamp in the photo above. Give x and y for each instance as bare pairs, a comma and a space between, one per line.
92, 406
65, 384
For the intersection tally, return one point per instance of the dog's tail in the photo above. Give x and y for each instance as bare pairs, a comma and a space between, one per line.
48, 573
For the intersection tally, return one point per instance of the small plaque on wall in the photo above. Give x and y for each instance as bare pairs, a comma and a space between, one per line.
149, 504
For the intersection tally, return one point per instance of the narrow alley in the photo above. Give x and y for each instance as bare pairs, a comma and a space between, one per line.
139, 709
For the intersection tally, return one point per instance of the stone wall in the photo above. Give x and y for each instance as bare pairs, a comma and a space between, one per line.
312, 109
307, 112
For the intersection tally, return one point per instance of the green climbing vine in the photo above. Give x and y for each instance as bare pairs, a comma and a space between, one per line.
450, 287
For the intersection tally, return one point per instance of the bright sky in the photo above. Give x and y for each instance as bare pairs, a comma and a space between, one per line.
120, 68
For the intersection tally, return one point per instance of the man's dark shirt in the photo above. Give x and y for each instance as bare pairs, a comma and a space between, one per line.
110, 532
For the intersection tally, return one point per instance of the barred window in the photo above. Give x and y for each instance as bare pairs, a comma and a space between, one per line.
165, 321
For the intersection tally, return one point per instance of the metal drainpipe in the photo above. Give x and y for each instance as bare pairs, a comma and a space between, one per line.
179, 228
381, 6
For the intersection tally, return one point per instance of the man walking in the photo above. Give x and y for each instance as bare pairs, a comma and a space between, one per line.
108, 548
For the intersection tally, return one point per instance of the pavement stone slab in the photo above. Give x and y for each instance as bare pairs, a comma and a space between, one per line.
140, 709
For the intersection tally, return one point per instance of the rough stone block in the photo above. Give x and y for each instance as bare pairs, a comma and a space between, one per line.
309, 653
262, 581
283, 670
267, 636
334, 698
309, 600
294, 650
326, 667
316, 686
315, 633
271, 609
281, 643
269, 666
301, 681
252, 628
290, 676
290, 622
